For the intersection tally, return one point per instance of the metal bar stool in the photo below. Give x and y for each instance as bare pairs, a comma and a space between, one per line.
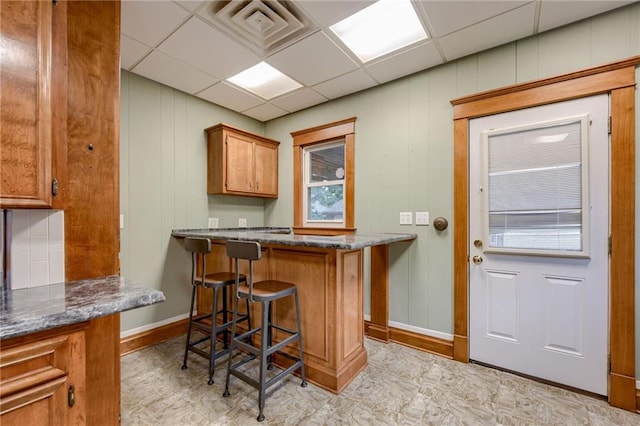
216, 281
263, 292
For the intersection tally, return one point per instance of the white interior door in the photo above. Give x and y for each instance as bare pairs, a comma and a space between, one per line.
539, 227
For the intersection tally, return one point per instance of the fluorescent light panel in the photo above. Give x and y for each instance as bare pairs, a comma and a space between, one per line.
265, 81
381, 28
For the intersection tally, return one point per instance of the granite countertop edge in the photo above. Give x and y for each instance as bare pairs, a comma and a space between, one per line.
284, 236
31, 310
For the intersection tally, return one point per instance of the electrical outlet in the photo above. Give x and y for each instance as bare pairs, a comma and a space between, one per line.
242, 223
422, 218
406, 218
213, 222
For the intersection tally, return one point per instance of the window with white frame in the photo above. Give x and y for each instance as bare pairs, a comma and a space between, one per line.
324, 184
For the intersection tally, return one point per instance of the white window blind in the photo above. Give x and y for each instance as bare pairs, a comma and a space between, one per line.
535, 185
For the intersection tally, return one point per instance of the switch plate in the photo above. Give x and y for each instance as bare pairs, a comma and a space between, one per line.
406, 218
242, 222
213, 222
121, 221
422, 218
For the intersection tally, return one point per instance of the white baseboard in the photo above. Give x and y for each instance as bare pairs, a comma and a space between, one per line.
148, 327
419, 330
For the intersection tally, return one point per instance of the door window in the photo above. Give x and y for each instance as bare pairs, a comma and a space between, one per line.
535, 194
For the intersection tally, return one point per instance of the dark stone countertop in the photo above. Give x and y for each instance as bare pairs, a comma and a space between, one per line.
30, 310
284, 236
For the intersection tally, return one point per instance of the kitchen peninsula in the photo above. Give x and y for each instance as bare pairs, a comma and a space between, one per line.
328, 271
46, 357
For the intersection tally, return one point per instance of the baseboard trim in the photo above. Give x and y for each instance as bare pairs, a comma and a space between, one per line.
152, 337
418, 341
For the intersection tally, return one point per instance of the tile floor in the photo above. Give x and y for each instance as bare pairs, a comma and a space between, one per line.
400, 386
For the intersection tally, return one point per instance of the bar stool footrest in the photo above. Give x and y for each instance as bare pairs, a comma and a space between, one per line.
276, 348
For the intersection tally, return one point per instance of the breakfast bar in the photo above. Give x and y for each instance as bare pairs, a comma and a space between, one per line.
328, 271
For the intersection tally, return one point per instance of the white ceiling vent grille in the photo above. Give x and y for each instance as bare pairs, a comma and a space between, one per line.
263, 25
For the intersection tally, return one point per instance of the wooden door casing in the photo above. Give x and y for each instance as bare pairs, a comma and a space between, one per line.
617, 79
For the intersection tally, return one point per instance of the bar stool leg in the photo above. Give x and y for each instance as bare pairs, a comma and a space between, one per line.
270, 337
225, 318
302, 372
214, 335
232, 343
186, 346
264, 358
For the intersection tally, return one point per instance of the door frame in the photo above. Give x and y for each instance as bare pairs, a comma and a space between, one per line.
618, 80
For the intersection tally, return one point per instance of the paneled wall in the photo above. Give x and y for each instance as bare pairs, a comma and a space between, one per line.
404, 151
163, 157
404, 158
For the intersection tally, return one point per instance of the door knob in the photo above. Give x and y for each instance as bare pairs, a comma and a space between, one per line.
477, 259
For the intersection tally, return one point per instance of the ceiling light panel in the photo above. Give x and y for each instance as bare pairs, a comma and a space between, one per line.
381, 28
265, 81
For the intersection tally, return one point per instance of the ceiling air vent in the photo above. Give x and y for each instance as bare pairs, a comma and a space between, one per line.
262, 25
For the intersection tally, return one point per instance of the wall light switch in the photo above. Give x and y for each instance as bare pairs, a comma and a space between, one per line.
406, 218
213, 222
121, 221
422, 218
242, 223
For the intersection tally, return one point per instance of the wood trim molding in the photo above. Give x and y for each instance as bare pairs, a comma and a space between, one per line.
304, 138
618, 79
518, 89
414, 340
324, 132
152, 337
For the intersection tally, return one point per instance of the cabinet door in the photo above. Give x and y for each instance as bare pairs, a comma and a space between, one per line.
239, 163
39, 379
25, 103
266, 168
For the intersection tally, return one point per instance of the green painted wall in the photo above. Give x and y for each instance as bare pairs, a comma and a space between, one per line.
163, 177
404, 161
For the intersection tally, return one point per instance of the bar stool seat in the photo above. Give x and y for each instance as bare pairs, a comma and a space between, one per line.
207, 323
263, 292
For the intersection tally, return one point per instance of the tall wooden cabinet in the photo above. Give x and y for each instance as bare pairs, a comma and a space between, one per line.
32, 77
59, 117
241, 163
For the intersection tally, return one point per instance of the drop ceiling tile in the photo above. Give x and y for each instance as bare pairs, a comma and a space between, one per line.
493, 32
300, 99
328, 12
207, 49
228, 96
131, 51
446, 16
555, 13
323, 60
167, 70
150, 22
190, 5
265, 112
404, 63
345, 84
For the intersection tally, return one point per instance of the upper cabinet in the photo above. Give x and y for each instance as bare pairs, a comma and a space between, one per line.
241, 163
31, 41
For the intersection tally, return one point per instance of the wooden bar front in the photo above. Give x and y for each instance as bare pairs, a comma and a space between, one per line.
330, 287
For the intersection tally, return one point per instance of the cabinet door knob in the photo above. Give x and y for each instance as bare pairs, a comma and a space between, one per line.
71, 396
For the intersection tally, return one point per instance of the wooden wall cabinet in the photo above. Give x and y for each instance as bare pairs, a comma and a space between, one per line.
42, 379
241, 163
32, 102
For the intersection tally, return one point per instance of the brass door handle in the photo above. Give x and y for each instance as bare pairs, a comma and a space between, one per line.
477, 259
